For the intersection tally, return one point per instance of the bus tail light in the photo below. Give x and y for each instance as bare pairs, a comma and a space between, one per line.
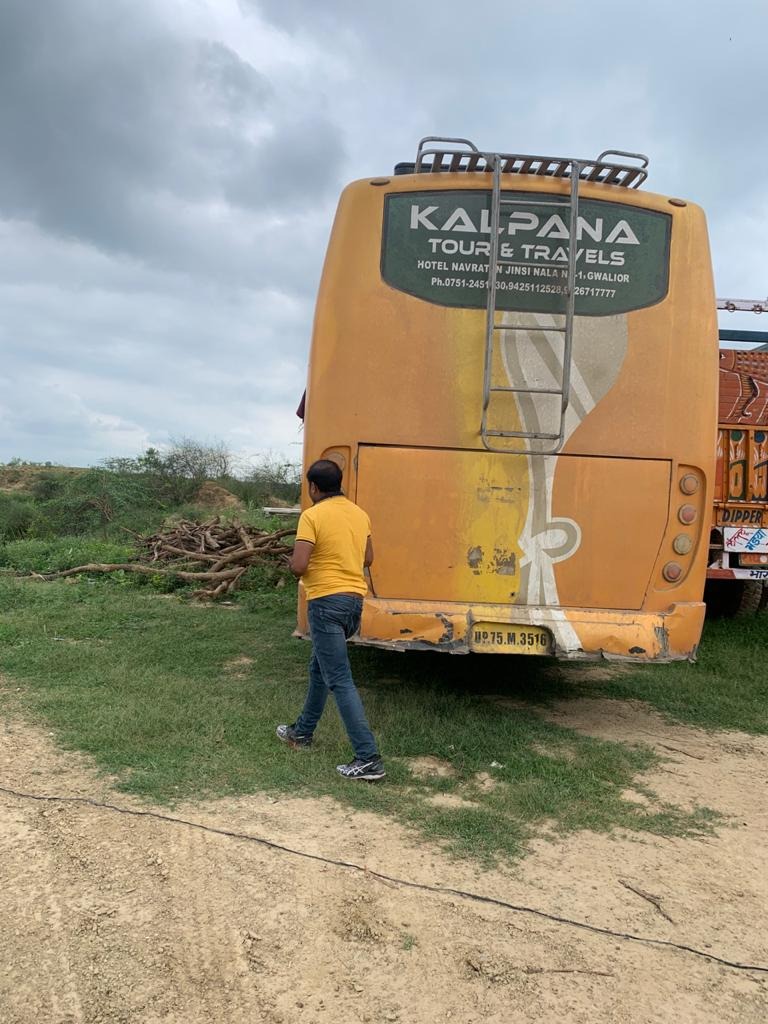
682, 544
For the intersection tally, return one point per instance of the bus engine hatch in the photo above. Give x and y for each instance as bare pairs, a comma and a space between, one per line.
490, 528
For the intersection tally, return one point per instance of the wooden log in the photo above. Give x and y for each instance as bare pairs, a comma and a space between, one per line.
146, 570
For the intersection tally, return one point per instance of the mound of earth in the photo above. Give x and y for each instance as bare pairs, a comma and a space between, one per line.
211, 495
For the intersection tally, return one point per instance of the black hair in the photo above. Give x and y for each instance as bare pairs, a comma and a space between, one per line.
325, 475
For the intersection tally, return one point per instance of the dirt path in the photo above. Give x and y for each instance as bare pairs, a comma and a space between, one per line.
107, 918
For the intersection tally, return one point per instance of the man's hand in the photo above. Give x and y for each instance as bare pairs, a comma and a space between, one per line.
302, 552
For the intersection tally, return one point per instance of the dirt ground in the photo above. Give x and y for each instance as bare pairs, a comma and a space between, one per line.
106, 919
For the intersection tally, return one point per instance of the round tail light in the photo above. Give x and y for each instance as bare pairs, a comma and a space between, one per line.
682, 544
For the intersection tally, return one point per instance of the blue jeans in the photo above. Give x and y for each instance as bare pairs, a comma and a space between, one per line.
332, 620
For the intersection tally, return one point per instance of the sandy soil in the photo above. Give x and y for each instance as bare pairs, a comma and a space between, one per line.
106, 919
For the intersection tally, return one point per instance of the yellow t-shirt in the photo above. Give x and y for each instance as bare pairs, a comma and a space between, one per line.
339, 530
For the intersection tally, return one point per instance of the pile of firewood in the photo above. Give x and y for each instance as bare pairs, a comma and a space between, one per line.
216, 553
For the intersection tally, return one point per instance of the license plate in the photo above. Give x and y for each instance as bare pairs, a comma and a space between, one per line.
503, 638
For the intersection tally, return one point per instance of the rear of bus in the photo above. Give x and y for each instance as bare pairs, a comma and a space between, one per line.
538, 475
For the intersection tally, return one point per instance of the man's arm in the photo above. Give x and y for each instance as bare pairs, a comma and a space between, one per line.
302, 552
368, 560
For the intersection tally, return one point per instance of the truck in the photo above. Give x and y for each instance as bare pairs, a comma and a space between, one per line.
737, 571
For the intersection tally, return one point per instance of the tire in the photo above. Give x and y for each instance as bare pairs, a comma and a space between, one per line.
751, 601
735, 599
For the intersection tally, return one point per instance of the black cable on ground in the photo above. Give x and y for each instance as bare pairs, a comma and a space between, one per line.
404, 882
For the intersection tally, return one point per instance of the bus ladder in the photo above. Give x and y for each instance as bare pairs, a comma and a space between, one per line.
494, 327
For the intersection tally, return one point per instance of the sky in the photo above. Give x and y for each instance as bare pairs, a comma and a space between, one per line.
170, 169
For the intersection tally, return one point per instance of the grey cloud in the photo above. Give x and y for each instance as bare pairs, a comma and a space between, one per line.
685, 84
673, 80
112, 373
124, 135
232, 83
308, 150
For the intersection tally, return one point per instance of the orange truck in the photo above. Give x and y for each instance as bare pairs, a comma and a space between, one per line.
737, 572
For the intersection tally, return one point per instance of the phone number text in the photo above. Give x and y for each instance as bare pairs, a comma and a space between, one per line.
538, 287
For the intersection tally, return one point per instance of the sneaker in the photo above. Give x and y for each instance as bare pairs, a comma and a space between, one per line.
370, 771
288, 735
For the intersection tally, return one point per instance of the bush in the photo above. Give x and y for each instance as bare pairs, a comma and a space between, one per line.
264, 578
270, 479
91, 501
62, 553
16, 517
47, 486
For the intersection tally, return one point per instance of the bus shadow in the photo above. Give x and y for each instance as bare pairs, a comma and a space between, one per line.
504, 677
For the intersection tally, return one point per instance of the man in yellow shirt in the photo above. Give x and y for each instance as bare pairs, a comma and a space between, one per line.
333, 548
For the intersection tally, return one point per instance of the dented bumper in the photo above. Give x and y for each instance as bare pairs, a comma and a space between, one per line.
577, 633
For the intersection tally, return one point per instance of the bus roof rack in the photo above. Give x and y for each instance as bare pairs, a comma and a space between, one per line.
449, 155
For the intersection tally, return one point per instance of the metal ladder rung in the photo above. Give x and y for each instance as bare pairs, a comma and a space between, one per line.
523, 327
523, 433
530, 391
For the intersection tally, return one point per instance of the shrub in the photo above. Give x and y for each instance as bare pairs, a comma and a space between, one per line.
47, 486
92, 501
16, 517
269, 479
264, 577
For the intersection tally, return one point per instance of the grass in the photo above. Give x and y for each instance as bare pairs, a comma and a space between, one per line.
179, 701
57, 553
727, 688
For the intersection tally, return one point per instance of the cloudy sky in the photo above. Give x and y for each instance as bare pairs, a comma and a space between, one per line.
169, 171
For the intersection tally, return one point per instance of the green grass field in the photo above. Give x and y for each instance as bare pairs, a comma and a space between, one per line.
180, 701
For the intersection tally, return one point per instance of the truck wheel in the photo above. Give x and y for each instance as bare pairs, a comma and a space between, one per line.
751, 601
735, 599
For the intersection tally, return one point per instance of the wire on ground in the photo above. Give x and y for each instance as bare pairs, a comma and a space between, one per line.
390, 879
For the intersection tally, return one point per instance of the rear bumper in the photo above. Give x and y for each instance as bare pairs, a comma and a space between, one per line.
578, 633
759, 573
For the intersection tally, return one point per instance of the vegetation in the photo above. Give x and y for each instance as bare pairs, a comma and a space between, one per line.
178, 701
46, 502
16, 517
58, 553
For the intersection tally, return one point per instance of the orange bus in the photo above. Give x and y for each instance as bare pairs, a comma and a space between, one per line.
514, 361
